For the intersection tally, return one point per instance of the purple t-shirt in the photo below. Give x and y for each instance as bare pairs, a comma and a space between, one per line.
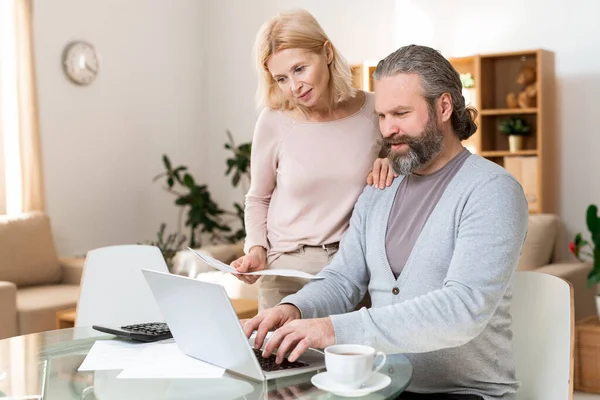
415, 199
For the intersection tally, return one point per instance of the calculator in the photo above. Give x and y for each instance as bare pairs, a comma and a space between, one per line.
143, 332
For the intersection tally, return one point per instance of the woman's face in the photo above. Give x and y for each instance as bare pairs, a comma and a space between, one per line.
302, 76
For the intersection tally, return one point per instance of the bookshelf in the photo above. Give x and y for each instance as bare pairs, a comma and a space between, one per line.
534, 164
362, 75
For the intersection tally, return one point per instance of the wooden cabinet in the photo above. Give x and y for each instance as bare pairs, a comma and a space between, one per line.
362, 76
499, 95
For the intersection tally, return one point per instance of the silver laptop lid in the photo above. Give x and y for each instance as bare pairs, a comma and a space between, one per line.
203, 322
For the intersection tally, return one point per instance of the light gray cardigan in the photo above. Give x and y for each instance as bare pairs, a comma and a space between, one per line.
451, 314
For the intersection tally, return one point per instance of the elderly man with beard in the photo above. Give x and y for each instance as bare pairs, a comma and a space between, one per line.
437, 251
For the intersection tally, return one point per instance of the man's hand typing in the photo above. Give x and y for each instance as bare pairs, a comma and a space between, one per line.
297, 336
269, 320
292, 335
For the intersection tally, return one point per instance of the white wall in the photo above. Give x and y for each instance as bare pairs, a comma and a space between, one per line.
102, 144
568, 28
175, 75
360, 29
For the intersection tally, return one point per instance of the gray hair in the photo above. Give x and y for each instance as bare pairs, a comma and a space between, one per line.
438, 76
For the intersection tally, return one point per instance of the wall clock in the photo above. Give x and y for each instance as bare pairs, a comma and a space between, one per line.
80, 62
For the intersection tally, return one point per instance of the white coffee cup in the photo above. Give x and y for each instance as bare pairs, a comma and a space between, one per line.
351, 365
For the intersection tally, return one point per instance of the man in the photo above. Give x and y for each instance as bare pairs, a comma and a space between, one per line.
437, 251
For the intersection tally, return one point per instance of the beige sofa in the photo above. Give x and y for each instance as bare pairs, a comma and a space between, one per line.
187, 264
34, 282
543, 252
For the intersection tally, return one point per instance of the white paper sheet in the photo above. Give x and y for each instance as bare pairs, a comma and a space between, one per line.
167, 361
228, 268
112, 354
146, 360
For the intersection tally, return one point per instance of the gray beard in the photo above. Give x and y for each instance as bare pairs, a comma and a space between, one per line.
405, 164
421, 150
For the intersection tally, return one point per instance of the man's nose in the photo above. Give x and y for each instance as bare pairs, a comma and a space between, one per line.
388, 127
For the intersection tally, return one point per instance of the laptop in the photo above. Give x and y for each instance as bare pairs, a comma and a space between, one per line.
205, 326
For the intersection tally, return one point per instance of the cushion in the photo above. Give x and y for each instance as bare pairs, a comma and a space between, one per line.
37, 306
27, 253
541, 237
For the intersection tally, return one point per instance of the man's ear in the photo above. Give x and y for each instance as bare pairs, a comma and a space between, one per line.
328, 51
445, 106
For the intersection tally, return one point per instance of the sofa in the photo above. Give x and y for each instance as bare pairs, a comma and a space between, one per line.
34, 282
542, 252
545, 250
187, 264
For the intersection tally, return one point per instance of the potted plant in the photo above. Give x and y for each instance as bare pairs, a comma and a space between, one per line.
589, 251
515, 128
468, 88
205, 219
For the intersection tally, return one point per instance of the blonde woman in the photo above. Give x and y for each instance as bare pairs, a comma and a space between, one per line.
315, 142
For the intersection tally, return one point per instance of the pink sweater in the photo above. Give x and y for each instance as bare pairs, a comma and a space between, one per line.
306, 177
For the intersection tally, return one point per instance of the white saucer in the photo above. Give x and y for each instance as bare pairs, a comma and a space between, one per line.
376, 382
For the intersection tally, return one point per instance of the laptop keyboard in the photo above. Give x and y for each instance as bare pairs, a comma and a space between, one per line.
268, 364
154, 329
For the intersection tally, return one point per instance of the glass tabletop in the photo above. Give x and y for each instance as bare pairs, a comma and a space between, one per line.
44, 365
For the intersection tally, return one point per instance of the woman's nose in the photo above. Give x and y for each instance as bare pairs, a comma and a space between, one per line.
295, 86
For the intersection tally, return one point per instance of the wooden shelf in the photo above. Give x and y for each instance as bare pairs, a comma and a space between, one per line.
497, 80
521, 53
362, 76
509, 111
509, 153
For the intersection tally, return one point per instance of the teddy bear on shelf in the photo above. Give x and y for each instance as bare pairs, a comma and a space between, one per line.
527, 97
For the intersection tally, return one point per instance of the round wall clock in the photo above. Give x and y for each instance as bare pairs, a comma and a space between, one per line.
80, 62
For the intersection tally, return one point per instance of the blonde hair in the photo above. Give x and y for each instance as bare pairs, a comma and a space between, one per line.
297, 29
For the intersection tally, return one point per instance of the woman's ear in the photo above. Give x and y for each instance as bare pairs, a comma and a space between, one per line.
328, 51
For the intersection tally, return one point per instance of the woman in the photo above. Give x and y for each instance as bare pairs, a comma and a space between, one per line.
313, 146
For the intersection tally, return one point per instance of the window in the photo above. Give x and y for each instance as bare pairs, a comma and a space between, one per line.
10, 162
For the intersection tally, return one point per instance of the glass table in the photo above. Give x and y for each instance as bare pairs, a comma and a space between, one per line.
44, 366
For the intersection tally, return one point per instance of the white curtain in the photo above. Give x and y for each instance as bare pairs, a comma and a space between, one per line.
21, 184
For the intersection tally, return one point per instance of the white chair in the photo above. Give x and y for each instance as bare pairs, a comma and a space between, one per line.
543, 336
113, 289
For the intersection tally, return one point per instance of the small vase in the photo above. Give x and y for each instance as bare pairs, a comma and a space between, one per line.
470, 96
515, 143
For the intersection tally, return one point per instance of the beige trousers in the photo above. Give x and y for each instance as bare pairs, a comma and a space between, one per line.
272, 289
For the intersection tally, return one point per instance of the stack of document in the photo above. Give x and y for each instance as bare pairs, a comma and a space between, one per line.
146, 360
228, 268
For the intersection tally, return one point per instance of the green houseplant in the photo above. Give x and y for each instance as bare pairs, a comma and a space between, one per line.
204, 218
589, 250
515, 128
468, 88
169, 245
467, 80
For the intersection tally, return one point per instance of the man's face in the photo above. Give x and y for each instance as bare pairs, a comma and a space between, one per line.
407, 122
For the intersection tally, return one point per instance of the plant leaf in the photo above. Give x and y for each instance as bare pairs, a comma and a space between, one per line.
188, 181
167, 162
593, 278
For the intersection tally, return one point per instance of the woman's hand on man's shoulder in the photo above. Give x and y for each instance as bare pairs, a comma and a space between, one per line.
382, 175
